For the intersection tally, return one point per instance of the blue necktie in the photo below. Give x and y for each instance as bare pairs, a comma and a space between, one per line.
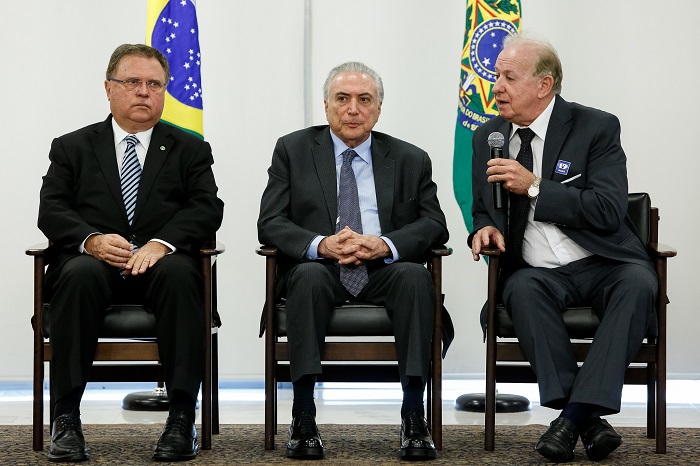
353, 277
130, 176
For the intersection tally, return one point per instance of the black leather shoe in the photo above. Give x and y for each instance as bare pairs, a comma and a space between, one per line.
600, 439
559, 441
416, 441
304, 438
67, 441
178, 441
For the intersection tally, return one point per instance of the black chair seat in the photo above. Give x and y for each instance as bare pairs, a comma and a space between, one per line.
348, 320
581, 322
128, 321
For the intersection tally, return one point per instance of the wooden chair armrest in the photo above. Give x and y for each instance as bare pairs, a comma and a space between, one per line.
38, 249
267, 250
440, 250
212, 248
661, 250
490, 252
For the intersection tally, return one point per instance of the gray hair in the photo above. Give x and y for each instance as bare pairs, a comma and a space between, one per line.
353, 67
140, 50
547, 62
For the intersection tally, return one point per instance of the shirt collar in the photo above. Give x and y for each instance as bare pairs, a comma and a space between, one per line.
362, 151
144, 137
539, 126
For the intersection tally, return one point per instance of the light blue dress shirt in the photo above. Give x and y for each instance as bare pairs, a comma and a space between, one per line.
364, 174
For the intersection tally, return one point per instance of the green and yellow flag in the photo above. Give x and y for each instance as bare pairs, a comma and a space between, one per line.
488, 23
171, 27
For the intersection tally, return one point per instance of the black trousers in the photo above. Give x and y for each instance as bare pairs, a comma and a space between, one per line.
84, 286
312, 289
623, 296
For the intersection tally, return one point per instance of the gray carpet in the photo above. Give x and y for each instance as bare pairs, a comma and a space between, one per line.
131, 444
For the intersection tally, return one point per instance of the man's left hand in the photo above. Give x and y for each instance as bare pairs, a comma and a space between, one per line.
145, 257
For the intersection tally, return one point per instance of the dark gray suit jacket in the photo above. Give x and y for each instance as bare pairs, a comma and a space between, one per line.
591, 209
300, 200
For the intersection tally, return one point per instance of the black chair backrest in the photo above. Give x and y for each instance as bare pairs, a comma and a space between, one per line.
639, 211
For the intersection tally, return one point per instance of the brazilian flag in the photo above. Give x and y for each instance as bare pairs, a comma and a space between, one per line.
171, 27
488, 23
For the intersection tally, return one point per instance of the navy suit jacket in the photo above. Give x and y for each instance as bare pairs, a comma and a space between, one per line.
81, 193
591, 209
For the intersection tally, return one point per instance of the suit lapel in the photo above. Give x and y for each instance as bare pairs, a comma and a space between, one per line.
384, 171
324, 160
557, 132
158, 149
103, 148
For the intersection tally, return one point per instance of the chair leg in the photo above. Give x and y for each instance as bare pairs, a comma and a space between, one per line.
436, 398
661, 405
206, 408
651, 400
38, 404
215, 384
270, 407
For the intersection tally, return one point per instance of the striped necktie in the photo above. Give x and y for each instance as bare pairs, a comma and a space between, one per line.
130, 176
353, 277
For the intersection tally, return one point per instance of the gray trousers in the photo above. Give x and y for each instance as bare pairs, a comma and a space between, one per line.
312, 289
623, 296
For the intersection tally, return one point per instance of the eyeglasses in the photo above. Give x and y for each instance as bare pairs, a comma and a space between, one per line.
132, 84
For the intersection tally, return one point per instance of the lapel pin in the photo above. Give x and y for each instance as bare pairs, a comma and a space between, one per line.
162, 147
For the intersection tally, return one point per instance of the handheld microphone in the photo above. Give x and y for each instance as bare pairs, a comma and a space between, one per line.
496, 141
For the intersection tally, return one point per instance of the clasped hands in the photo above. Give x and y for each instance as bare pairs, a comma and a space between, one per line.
118, 252
349, 247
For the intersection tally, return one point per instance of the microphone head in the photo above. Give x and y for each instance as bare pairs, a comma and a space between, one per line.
496, 139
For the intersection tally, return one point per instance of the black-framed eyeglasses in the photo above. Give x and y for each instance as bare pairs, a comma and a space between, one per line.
132, 84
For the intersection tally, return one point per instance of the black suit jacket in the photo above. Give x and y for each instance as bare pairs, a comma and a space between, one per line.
300, 200
81, 192
590, 209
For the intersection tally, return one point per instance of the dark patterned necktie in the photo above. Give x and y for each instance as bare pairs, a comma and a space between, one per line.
353, 277
130, 176
520, 204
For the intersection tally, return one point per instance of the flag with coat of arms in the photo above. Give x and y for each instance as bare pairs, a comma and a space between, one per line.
488, 23
171, 27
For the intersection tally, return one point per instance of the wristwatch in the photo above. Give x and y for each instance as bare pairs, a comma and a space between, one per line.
534, 190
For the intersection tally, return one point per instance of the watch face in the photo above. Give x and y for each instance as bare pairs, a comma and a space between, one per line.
533, 191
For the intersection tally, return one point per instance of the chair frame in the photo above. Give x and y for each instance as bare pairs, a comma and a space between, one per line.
143, 351
652, 354
276, 352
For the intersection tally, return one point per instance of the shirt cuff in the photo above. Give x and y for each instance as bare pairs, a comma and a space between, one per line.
312, 250
81, 247
394, 253
172, 248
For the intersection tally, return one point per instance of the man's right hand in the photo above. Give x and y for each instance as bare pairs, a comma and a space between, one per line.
487, 237
111, 248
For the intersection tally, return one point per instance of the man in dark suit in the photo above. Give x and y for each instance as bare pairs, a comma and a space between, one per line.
354, 212
128, 238
569, 244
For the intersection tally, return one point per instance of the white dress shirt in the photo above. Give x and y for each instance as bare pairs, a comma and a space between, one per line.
544, 244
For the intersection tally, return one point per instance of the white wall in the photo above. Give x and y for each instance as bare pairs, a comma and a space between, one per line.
629, 57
